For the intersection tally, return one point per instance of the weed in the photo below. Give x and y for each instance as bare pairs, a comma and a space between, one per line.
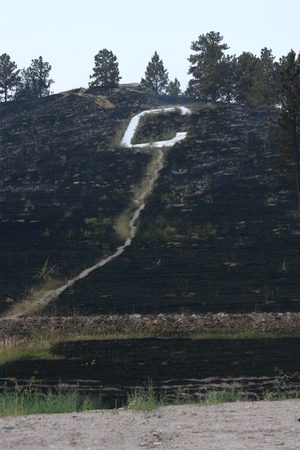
281, 385
205, 230
46, 233
104, 198
209, 198
225, 396
145, 399
182, 285
45, 272
31, 399
284, 267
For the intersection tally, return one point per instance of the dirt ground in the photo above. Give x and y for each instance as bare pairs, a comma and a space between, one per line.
240, 425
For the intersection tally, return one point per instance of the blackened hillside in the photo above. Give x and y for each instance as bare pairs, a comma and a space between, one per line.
215, 235
62, 183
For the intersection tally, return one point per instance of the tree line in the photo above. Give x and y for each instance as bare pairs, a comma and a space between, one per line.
33, 82
246, 79
215, 76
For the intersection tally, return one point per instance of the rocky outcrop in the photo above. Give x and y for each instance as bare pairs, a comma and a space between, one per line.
283, 324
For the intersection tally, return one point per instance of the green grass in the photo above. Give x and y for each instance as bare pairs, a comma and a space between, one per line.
145, 399
39, 345
30, 399
148, 399
122, 223
120, 131
16, 351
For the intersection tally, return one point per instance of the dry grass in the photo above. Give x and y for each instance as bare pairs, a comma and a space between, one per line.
40, 344
29, 304
14, 349
152, 166
122, 225
116, 143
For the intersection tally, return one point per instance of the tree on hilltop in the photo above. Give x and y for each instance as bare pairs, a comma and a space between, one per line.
106, 70
266, 79
35, 81
257, 79
205, 62
173, 88
156, 76
226, 79
9, 76
246, 68
288, 120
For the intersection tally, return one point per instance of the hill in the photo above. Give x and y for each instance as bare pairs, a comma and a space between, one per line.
59, 170
214, 235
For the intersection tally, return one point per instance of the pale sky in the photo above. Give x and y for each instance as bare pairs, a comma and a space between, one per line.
69, 33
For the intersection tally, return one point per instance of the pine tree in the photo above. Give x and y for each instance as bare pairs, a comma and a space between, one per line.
266, 80
205, 64
288, 120
35, 81
106, 71
246, 67
173, 88
9, 76
226, 80
156, 76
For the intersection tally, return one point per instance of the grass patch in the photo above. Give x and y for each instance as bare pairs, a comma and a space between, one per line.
29, 304
13, 350
31, 399
165, 230
120, 131
122, 226
148, 399
150, 170
40, 345
140, 193
161, 126
145, 399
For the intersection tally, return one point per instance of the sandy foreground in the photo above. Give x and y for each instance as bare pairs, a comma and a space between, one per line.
240, 425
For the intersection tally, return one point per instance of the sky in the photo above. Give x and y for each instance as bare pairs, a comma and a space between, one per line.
69, 33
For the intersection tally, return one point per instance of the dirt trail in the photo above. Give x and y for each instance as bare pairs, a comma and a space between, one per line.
140, 205
140, 202
234, 426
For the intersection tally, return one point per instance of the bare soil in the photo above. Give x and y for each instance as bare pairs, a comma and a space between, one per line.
240, 425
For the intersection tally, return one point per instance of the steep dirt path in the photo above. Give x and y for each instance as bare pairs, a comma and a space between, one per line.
140, 205
140, 202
